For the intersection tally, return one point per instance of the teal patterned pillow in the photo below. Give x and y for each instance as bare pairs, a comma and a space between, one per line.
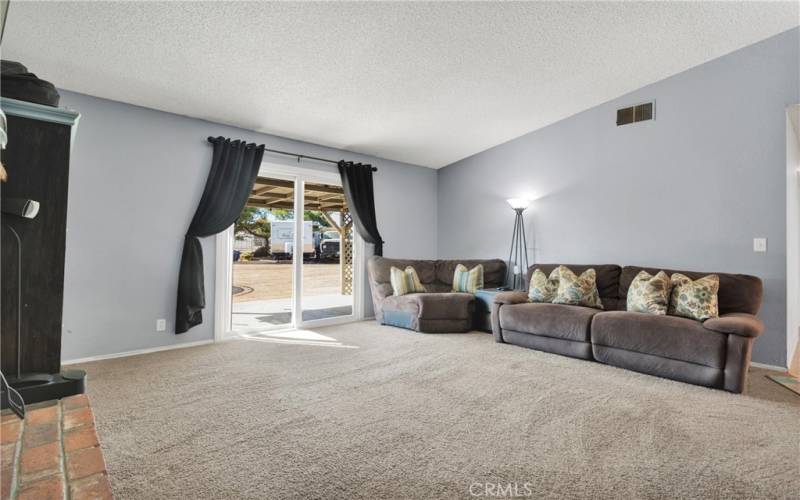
543, 288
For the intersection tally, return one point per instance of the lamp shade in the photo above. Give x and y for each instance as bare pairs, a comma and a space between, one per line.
518, 203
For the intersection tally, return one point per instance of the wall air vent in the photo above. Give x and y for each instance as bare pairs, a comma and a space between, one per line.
638, 113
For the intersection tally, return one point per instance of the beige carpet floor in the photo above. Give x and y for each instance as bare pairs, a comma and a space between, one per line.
364, 411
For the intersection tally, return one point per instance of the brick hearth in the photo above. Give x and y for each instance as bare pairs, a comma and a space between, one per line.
53, 454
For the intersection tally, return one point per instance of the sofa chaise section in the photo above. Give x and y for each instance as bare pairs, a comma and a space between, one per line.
439, 310
430, 312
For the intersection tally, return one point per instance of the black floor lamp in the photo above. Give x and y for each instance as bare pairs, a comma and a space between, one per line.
518, 255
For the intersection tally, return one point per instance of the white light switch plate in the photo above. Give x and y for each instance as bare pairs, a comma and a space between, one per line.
759, 244
161, 325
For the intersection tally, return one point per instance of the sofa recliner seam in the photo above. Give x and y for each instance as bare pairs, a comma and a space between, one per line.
656, 355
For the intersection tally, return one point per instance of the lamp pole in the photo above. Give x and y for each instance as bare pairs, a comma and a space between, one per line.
518, 254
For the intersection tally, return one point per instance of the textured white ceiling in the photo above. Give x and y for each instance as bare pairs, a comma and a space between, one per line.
424, 83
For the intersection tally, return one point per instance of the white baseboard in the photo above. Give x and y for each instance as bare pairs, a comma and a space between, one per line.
206, 342
769, 367
136, 352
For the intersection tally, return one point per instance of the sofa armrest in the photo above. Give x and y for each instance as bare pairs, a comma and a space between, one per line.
737, 362
503, 299
511, 298
497, 332
741, 324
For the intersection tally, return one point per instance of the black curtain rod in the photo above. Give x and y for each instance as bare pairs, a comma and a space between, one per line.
299, 157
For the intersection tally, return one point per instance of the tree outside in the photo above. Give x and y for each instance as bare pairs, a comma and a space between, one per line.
255, 221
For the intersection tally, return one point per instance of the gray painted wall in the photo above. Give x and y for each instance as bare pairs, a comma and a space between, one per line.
689, 190
136, 178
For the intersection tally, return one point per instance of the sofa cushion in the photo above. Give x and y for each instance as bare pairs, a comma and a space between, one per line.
380, 269
455, 306
737, 292
402, 303
439, 287
446, 305
549, 320
511, 297
670, 337
607, 280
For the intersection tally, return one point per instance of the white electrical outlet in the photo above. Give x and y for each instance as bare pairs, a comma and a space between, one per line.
161, 325
759, 244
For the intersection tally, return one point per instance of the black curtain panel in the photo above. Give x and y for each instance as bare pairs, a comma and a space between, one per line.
360, 196
234, 168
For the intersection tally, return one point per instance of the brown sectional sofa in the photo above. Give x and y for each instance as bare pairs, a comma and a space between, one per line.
714, 353
438, 311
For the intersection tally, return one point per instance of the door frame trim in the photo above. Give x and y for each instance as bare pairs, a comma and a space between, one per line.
792, 236
223, 285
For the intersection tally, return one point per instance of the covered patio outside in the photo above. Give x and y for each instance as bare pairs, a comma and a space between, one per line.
262, 286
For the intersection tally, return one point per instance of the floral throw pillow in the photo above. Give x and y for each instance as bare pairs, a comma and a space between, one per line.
649, 294
694, 299
577, 290
543, 288
406, 281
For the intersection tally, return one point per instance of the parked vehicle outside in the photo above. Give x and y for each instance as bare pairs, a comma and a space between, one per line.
330, 245
281, 240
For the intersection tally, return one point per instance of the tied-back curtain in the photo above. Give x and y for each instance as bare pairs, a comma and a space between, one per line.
234, 168
360, 196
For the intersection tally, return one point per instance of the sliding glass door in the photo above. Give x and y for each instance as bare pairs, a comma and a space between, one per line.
327, 287
294, 255
262, 293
